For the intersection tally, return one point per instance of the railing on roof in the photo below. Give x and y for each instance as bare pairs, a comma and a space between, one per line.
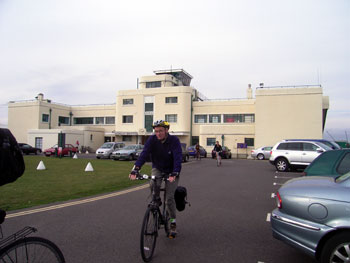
292, 86
62, 104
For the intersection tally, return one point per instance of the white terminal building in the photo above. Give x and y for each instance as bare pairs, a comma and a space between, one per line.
275, 113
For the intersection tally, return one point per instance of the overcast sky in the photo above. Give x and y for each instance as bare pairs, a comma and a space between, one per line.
83, 51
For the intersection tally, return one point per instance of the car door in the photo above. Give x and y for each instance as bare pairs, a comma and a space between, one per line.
344, 165
294, 152
309, 152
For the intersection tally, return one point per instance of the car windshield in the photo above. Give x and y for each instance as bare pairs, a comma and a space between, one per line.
324, 146
342, 178
107, 145
130, 147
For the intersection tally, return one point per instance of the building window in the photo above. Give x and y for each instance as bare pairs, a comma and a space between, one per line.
148, 107
211, 141
200, 118
171, 117
127, 138
45, 118
249, 141
171, 100
84, 120
110, 120
128, 101
63, 120
195, 140
153, 84
249, 118
230, 118
99, 120
39, 142
128, 119
214, 118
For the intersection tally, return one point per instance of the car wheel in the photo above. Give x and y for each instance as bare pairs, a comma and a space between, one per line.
98, 157
260, 156
282, 165
336, 249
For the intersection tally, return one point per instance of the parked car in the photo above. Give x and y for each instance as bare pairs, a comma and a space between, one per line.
68, 149
333, 145
27, 149
127, 153
185, 154
313, 216
262, 153
106, 150
226, 153
192, 151
295, 154
330, 163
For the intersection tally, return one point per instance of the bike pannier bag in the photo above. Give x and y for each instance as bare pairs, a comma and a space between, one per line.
181, 198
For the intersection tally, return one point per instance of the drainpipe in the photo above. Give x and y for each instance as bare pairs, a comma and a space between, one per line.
191, 121
50, 110
70, 118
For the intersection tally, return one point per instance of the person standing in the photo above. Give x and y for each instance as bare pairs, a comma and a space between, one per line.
166, 155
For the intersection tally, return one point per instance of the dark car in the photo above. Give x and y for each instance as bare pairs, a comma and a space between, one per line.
68, 149
192, 151
330, 163
27, 149
226, 153
185, 154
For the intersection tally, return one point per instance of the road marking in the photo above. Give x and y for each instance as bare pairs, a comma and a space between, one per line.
268, 217
273, 195
283, 177
88, 200
277, 184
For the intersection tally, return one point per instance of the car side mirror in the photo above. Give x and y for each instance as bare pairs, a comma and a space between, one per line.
319, 150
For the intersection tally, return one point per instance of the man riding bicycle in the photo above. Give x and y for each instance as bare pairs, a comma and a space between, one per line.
166, 155
218, 149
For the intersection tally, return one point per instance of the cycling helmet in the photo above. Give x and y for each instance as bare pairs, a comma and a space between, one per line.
161, 123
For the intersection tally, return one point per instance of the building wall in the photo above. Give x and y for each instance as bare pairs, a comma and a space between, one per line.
289, 113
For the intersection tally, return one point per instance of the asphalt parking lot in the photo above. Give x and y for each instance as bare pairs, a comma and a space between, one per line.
228, 220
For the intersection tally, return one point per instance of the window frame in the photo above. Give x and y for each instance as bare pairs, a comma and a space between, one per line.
126, 119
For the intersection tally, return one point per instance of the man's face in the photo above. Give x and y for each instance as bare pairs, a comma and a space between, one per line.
160, 132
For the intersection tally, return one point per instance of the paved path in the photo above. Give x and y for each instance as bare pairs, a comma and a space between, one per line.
227, 220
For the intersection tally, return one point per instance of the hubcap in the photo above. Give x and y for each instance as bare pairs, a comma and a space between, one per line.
342, 253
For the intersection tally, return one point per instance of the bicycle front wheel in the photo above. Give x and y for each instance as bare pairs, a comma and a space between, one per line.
149, 233
31, 249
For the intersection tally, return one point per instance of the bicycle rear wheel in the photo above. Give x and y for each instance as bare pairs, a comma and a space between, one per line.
149, 233
31, 249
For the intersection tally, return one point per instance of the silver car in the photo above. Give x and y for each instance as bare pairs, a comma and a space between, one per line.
105, 151
261, 153
295, 154
313, 215
127, 153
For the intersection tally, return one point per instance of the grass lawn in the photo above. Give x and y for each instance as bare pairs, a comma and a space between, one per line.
65, 179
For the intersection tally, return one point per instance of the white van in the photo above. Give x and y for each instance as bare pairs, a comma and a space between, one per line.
107, 148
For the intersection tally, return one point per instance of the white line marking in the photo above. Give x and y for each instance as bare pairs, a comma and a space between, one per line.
273, 195
283, 177
268, 217
277, 184
88, 200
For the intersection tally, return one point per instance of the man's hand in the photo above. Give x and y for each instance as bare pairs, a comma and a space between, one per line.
132, 176
171, 179
134, 173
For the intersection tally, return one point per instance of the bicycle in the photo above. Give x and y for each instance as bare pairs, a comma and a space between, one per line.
154, 219
218, 158
18, 248
198, 155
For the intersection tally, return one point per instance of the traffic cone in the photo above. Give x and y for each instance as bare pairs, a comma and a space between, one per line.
75, 156
41, 166
89, 168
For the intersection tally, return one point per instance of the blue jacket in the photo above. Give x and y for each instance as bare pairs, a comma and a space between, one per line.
166, 157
